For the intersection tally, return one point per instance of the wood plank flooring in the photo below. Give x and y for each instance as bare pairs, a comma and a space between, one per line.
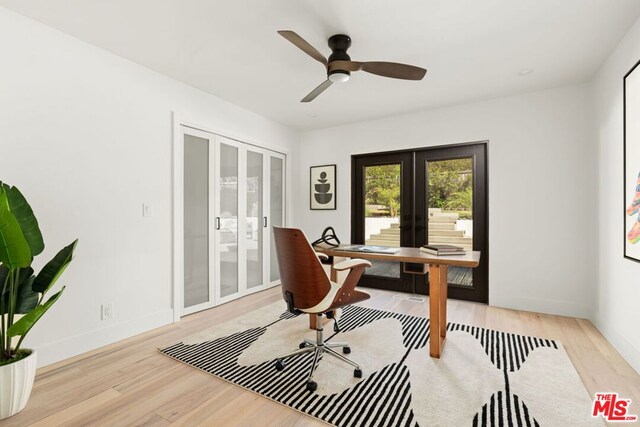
131, 383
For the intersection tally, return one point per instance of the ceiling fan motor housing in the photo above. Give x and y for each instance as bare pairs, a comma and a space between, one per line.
339, 44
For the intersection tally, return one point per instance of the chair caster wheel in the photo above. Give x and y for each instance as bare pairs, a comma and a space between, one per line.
302, 345
336, 328
312, 386
279, 365
346, 350
357, 373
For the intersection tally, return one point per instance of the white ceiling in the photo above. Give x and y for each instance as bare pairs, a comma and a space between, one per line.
473, 49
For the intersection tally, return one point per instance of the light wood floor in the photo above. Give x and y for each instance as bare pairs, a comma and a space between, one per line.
131, 383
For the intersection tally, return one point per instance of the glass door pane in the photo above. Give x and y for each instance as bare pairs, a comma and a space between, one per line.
196, 221
450, 210
255, 217
382, 210
276, 209
228, 220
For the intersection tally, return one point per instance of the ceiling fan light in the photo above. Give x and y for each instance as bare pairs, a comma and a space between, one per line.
339, 77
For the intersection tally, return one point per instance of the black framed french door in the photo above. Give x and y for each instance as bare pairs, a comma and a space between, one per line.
386, 179
414, 197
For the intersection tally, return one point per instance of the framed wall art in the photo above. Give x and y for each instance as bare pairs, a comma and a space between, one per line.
632, 163
323, 187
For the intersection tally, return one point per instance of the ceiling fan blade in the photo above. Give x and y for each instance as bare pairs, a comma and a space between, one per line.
345, 65
394, 70
303, 45
317, 91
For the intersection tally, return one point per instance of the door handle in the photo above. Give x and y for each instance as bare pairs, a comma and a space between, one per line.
265, 222
217, 223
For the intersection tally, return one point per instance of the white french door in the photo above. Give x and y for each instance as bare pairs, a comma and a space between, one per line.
276, 210
233, 193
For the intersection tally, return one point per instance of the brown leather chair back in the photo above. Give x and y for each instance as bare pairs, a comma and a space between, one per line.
301, 272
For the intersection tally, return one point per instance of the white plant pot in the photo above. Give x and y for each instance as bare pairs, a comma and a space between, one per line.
16, 381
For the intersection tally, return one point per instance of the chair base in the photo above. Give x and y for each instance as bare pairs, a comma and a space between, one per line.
319, 347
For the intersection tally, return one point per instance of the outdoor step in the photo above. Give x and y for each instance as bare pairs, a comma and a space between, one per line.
393, 231
395, 225
394, 234
443, 219
447, 233
444, 215
442, 225
385, 236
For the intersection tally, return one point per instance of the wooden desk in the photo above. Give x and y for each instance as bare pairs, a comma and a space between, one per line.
437, 282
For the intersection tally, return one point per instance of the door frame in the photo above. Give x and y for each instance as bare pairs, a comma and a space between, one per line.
417, 224
180, 121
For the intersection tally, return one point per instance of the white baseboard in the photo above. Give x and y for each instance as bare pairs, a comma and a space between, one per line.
627, 350
539, 305
57, 351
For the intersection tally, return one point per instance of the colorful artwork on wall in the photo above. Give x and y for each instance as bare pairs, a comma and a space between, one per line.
632, 163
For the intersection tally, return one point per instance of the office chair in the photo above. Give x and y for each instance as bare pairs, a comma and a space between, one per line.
307, 289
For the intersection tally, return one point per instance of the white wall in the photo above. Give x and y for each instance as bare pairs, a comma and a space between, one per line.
542, 184
87, 136
618, 286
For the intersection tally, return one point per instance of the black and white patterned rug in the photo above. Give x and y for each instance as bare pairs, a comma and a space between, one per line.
484, 377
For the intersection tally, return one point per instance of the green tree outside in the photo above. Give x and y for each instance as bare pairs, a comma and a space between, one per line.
450, 188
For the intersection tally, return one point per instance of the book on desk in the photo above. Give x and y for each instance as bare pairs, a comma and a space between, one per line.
442, 250
368, 249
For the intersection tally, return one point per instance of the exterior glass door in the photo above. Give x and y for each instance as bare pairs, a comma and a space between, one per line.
382, 207
411, 198
450, 209
451, 193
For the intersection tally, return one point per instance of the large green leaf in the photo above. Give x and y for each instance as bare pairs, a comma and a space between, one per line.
54, 269
26, 322
26, 299
14, 248
27, 220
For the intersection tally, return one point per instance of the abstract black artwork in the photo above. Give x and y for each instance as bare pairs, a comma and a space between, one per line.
323, 187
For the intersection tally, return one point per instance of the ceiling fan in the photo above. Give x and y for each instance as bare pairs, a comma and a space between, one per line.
339, 65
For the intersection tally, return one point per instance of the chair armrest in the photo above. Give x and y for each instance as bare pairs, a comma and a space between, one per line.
322, 256
351, 263
347, 293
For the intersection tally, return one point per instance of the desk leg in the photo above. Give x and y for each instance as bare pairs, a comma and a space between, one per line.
437, 308
313, 319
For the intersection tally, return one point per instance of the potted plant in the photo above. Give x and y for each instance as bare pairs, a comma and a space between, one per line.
22, 296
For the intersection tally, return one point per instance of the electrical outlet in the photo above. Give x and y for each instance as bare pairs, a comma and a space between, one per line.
147, 210
106, 311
